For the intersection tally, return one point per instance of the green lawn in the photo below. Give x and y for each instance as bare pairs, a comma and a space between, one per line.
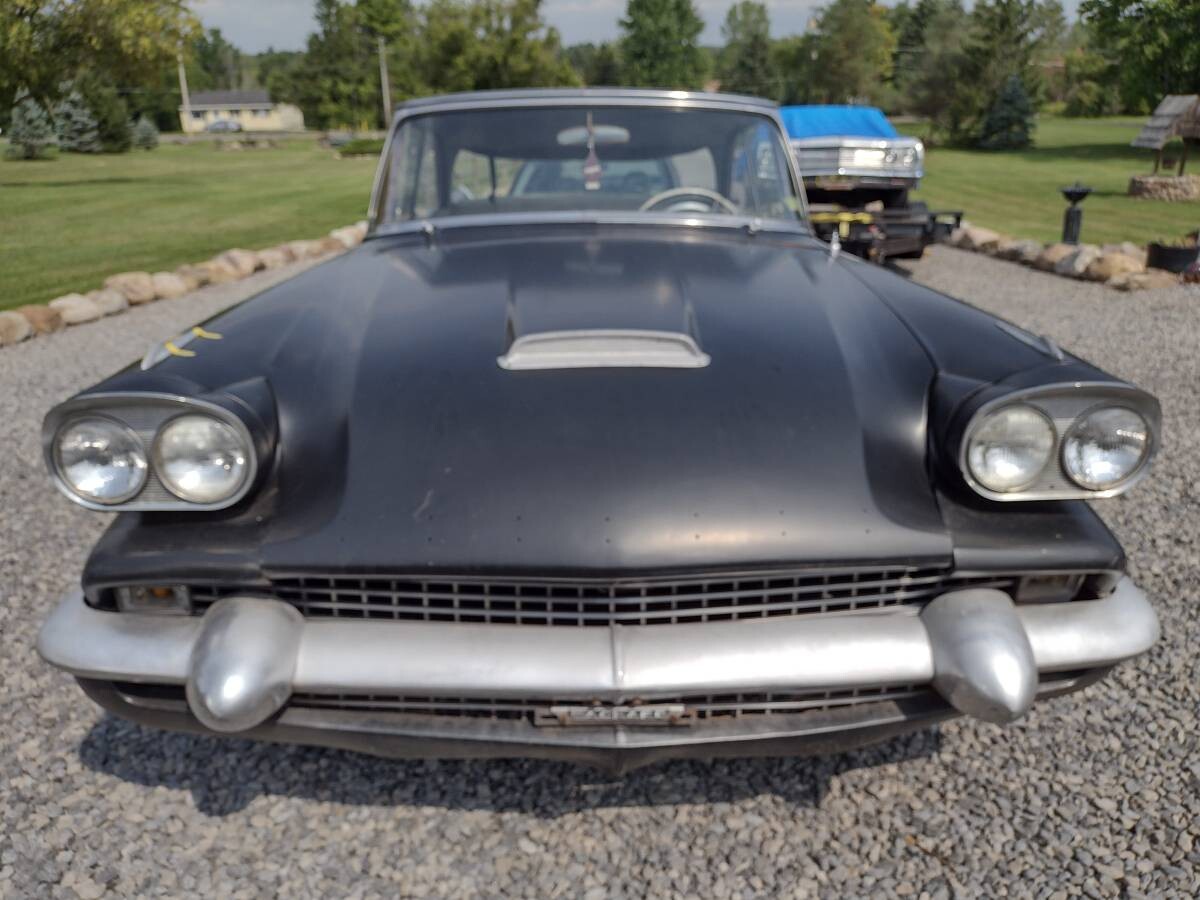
67, 223
1017, 193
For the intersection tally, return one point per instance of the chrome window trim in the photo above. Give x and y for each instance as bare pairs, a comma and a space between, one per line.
1092, 394
108, 404
480, 101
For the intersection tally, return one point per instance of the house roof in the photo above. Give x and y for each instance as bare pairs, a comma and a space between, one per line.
230, 98
1178, 115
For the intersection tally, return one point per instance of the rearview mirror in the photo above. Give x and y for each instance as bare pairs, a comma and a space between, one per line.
603, 134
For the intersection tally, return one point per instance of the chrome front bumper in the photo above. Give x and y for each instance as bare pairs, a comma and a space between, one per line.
242, 661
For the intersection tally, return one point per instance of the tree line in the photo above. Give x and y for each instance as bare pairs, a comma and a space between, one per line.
977, 75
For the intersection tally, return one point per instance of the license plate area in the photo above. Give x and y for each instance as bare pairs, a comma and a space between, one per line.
641, 715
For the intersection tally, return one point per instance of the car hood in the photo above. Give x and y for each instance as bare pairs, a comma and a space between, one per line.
404, 445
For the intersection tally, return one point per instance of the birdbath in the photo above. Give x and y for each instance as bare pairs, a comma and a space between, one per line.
1073, 220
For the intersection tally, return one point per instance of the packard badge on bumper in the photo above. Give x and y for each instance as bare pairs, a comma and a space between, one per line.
593, 451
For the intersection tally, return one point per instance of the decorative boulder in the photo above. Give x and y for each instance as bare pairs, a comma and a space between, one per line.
330, 245
220, 271
272, 258
168, 285
138, 287
76, 309
1129, 249
1145, 281
194, 275
43, 319
1108, 266
108, 301
1028, 251
244, 262
1054, 254
1075, 264
348, 237
981, 240
14, 328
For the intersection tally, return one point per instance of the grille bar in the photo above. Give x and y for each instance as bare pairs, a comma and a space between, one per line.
586, 602
722, 706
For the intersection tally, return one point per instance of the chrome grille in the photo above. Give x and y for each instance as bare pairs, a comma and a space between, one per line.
709, 706
591, 602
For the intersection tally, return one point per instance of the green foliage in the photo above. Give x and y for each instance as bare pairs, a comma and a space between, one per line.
111, 113
1009, 123
129, 41
596, 65
361, 147
744, 65
75, 125
1156, 41
145, 135
659, 44
852, 52
929, 62
793, 60
30, 133
1092, 84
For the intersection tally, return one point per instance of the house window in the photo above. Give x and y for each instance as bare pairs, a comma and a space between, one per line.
199, 116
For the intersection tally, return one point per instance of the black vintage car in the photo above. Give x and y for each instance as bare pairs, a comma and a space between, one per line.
619, 465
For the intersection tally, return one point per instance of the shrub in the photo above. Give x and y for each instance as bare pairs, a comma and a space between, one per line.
112, 116
75, 125
145, 135
30, 130
1009, 122
361, 147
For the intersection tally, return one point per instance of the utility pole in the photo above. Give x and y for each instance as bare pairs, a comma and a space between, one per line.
384, 85
186, 122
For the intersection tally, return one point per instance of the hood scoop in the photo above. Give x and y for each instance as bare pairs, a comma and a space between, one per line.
596, 348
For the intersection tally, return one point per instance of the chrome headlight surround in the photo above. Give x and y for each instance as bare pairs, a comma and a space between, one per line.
1065, 406
146, 414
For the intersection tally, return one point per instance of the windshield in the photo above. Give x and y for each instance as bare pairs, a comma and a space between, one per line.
583, 158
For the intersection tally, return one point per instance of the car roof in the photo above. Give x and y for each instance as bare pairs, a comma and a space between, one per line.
534, 96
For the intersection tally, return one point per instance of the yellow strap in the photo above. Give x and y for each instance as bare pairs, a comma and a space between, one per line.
177, 351
207, 335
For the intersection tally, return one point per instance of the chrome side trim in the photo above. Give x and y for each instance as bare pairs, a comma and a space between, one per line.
604, 348
618, 663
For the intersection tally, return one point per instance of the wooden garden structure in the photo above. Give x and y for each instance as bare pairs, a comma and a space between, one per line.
1177, 115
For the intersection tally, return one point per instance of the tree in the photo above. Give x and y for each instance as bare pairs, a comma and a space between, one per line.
745, 62
605, 69
30, 131
928, 81
1009, 123
112, 115
75, 125
1156, 43
145, 135
44, 42
793, 60
854, 49
215, 64
659, 44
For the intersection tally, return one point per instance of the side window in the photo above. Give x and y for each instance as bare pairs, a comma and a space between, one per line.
759, 182
411, 187
426, 202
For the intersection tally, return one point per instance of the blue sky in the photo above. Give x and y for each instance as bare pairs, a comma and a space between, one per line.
284, 24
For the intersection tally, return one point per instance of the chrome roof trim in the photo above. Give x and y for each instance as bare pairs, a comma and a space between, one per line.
592, 217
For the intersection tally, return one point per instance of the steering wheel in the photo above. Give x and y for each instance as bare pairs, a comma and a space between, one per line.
687, 199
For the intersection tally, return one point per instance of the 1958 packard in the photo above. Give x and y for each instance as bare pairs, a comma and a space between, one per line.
592, 451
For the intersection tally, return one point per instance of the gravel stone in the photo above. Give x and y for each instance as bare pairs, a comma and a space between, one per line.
1091, 795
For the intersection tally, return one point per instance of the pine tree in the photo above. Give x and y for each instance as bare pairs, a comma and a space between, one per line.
745, 62
30, 129
660, 44
1009, 123
145, 135
75, 125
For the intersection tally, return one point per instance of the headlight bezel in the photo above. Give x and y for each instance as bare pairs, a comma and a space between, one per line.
146, 414
1065, 405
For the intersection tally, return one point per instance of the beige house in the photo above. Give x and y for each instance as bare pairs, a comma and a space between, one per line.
252, 110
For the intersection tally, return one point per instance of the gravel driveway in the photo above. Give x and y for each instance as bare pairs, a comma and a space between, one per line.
1097, 794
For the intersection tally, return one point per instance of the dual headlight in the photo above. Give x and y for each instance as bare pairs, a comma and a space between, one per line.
152, 458
1040, 448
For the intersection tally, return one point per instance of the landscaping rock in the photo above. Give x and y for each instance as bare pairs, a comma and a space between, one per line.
1174, 188
348, 237
1052, 255
43, 319
138, 287
193, 275
108, 301
169, 285
981, 240
273, 258
1075, 264
1145, 281
244, 262
14, 328
303, 249
220, 271
1129, 249
329, 245
76, 309
1028, 251
1108, 266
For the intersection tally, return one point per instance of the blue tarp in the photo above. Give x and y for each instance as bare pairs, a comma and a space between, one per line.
839, 121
